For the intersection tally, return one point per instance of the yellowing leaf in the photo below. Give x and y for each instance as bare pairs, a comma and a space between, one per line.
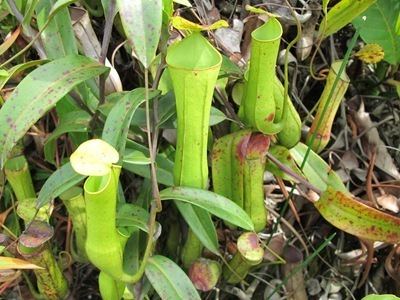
371, 53
7, 263
94, 158
256, 10
183, 24
216, 25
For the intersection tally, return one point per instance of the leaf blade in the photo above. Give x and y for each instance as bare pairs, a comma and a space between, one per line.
60, 181
356, 218
37, 93
7, 263
200, 222
142, 21
212, 202
169, 280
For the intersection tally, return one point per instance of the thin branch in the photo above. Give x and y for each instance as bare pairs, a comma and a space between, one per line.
103, 56
293, 174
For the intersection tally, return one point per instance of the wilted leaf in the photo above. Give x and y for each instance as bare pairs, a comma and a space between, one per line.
183, 24
389, 202
7, 263
9, 41
371, 139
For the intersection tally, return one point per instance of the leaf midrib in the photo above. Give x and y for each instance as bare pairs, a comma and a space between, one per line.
38, 97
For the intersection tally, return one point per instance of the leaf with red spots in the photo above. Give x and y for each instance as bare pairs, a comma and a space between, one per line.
354, 217
169, 281
37, 93
142, 21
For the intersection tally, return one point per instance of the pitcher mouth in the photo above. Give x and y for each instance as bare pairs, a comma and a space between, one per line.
97, 184
269, 32
193, 53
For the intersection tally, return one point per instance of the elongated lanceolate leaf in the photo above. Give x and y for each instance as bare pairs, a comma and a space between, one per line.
346, 213
316, 170
164, 164
342, 14
37, 93
118, 120
75, 121
201, 224
18, 69
169, 281
60, 181
142, 20
134, 216
212, 202
7, 263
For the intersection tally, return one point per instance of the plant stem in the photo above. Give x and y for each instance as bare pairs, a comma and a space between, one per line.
155, 190
103, 56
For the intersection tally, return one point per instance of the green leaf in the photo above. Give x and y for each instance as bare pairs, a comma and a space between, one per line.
316, 170
340, 15
39, 92
29, 12
354, 217
164, 165
136, 158
76, 121
380, 297
200, 222
283, 155
58, 37
106, 8
18, 69
60, 181
142, 21
169, 281
212, 202
380, 28
118, 120
216, 116
134, 216
60, 4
